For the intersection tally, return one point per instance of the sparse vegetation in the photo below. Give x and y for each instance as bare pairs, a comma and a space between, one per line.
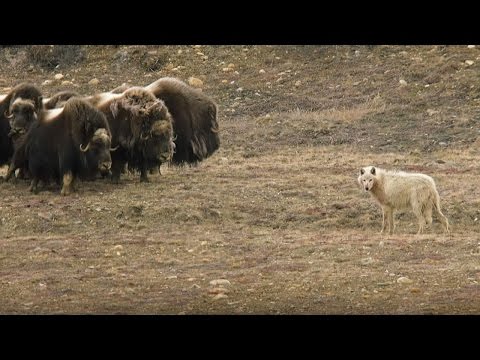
276, 210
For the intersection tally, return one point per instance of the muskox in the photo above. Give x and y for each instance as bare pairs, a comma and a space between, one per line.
141, 128
194, 119
22, 104
59, 99
57, 144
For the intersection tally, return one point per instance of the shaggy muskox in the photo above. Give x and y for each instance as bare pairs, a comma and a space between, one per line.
22, 104
194, 119
59, 99
141, 128
56, 145
400, 190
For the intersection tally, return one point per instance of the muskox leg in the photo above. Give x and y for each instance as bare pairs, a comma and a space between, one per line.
67, 183
34, 186
10, 172
117, 167
143, 175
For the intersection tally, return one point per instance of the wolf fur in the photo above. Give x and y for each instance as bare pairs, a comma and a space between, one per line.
396, 190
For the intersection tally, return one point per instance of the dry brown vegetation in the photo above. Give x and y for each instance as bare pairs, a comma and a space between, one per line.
276, 211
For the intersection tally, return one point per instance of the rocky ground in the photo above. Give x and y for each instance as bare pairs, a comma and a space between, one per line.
273, 222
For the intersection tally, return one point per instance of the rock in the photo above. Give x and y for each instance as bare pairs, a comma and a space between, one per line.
240, 89
45, 216
67, 83
220, 296
403, 82
469, 62
431, 112
471, 46
442, 143
366, 261
224, 81
200, 53
171, 277
218, 290
169, 67
381, 243
261, 71
118, 247
220, 282
47, 82
195, 82
227, 69
298, 83
404, 280
231, 66
58, 76
440, 161
94, 81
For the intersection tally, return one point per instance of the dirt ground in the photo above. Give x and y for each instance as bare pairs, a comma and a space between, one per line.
274, 222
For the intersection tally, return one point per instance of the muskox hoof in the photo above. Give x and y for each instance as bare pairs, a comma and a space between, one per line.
144, 179
65, 192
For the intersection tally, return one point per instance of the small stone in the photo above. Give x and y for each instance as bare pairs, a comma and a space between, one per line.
171, 277
469, 62
440, 161
220, 296
442, 143
224, 81
220, 282
94, 81
200, 53
218, 290
227, 69
261, 71
45, 216
471, 46
240, 89
404, 280
195, 82
366, 261
381, 243
58, 76
67, 83
298, 83
169, 67
403, 82
47, 82
431, 112
231, 66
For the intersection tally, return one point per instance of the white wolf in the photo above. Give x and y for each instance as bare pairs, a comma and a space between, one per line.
401, 190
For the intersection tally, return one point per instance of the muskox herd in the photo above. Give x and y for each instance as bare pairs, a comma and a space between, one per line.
68, 136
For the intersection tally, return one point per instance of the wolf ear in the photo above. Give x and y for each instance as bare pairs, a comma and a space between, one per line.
372, 171
362, 171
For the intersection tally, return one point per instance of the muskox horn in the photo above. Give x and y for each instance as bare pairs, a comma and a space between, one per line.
214, 130
84, 149
8, 116
144, 138
115, 148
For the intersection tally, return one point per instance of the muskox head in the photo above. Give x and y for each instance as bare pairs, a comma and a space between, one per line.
22, 106
159, 147
142, 109
91, 134
22, 114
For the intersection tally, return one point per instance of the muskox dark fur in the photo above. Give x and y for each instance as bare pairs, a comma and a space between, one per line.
57, 144
194, 120
133, 116
59, 99
32, 97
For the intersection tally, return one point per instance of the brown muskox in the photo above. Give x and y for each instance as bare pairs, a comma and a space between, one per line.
22, 104
194, 119
59, 99
141, 128
78, 129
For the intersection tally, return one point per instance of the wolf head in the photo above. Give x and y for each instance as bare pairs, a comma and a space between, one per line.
367, 177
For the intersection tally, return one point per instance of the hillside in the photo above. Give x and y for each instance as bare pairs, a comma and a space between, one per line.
276, 211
